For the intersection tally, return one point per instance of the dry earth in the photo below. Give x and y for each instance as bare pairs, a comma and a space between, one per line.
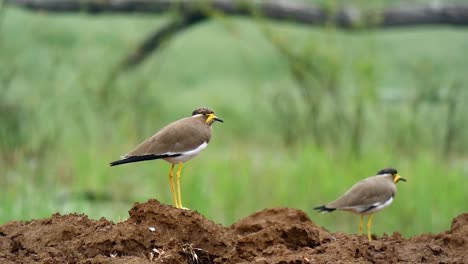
156, 233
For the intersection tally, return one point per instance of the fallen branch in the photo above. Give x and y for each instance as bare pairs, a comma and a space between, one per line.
195, 11
292, 10
155, 40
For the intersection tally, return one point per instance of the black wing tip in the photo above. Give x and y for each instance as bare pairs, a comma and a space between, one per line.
131, 159
120, 162
115, 163
324, 208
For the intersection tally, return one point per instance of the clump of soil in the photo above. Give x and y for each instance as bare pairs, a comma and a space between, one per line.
156, 233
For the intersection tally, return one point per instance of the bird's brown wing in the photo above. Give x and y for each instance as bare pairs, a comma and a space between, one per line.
176, 138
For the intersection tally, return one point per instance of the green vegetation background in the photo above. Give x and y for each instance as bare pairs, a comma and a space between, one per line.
64, 118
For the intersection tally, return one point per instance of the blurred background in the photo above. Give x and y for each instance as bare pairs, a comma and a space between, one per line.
309, 110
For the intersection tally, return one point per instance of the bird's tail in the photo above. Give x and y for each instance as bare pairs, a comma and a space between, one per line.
324, 208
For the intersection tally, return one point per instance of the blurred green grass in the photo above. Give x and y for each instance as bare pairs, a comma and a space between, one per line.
72, 122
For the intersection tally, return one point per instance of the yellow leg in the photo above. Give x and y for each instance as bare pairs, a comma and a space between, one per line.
178, 184
369, 223
360, 224
171, 181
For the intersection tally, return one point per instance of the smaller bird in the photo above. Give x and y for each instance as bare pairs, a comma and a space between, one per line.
367, 197
175, 143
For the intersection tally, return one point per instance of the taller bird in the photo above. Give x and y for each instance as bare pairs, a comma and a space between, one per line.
176, 143
367, 196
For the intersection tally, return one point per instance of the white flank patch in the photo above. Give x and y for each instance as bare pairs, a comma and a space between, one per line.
185, 155
382, 206
197, 150
379, 206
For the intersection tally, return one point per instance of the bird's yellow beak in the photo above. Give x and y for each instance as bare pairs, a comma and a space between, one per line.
212, 117
397, 178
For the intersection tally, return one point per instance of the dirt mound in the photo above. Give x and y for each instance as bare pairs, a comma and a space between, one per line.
156, 233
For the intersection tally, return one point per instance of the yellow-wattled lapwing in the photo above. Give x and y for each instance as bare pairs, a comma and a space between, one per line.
175, 143
367, 196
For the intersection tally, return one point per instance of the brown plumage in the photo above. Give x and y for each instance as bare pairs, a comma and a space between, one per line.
181, 136
367, 196
176, 143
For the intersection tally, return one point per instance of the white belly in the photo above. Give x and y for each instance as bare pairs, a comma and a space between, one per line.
379, 207
188, 155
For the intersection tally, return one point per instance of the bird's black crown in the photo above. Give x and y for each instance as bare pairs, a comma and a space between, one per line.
203, 111
391, 171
